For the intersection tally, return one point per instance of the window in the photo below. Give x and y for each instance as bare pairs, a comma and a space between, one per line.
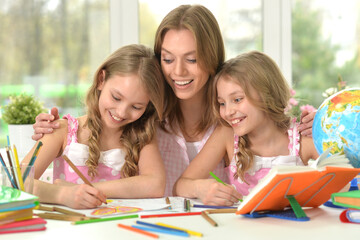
325, 46
51, 48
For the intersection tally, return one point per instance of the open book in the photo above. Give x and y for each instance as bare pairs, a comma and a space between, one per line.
310, 185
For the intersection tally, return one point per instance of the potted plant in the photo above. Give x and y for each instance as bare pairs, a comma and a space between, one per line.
20, 114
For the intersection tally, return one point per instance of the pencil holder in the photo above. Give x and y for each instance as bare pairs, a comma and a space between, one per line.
22, 178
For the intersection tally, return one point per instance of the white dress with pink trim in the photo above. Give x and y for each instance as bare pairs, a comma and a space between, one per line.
110, 162
262, 165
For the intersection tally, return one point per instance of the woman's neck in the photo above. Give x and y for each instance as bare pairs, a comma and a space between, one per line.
192, 110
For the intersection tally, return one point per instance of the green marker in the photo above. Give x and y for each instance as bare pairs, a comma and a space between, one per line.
219, 180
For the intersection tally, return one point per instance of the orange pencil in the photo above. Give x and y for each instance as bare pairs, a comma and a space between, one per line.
138, 230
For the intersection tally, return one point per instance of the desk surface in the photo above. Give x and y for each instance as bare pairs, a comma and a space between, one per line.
324, 224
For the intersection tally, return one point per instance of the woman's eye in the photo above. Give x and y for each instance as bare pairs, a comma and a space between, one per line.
237, 99
192, 60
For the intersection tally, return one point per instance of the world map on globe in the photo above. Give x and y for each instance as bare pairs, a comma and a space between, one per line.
337, 125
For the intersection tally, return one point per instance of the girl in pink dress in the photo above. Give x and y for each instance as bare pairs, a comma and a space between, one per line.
115, 144
251, 96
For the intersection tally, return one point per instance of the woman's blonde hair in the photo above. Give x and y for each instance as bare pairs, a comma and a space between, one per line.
131, 59
210, 55
256, 71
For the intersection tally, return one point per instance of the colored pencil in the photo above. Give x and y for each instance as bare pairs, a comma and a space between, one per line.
137, 230
77, 170
104, 219
171, 232
171, 215
188, 205
86, 181
225, 210
209, 219
32, 160
220, 181
216, 178
18, 170
68, 212
157, 226
62, 217
7, 171
45, 208
191, 232
211, 206
12, 167
167, 200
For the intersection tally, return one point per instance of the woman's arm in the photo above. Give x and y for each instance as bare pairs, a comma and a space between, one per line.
150, 183
307, 149
306, 123
195, 182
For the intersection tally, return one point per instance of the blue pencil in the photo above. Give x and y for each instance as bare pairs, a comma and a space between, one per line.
7, 172
210, 206
32, 160
158, 230
158, 226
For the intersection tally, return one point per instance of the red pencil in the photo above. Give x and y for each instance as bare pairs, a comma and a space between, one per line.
171, 215
138, 230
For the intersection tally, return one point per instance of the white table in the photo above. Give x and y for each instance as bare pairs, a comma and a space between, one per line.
324, 224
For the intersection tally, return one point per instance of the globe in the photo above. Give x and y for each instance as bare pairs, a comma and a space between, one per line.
337, 125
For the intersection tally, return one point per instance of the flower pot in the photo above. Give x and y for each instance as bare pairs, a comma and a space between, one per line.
20, 135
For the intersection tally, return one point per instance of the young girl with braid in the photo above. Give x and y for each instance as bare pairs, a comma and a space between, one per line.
115, 144
251, 96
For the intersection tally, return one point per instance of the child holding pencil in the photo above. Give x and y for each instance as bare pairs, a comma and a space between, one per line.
114, 145
251, 97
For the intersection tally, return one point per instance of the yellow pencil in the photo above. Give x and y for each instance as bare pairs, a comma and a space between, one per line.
18, 171
182, 229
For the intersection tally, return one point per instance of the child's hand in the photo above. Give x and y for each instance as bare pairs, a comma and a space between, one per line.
44, 123
81, 196
212, 192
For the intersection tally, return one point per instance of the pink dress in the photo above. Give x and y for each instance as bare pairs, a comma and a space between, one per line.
262, 165
110, 162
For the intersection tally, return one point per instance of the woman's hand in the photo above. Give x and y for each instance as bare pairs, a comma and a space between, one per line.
211, 192
306, 122
44, 123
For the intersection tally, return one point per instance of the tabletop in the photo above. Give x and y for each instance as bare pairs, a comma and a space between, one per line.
324, 224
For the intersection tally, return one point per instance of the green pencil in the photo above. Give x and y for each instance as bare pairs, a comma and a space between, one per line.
219, 180
216, 178
104, 219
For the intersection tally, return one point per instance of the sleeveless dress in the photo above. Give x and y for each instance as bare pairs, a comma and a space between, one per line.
262, 165
110, 162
